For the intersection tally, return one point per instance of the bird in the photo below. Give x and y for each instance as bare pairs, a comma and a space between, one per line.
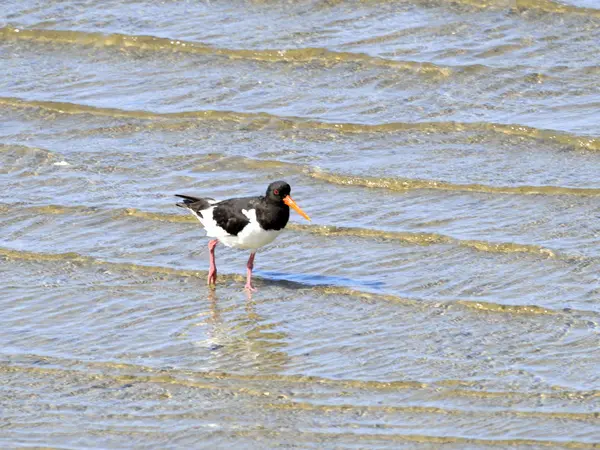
243, 223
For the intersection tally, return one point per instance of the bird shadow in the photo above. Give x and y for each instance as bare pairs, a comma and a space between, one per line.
302, 281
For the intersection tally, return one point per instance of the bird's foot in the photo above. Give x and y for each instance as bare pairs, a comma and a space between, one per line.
212, 278
250, 288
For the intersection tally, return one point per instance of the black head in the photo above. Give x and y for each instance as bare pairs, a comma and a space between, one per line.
277, 191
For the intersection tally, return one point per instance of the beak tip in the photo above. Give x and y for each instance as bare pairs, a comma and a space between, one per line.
291, 203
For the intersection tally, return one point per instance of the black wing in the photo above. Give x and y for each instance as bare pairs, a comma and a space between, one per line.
196, 204
229, 216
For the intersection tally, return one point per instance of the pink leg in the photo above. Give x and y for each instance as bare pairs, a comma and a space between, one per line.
249, 267
212, 271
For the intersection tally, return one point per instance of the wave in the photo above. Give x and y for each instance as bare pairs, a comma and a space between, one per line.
216, 380
218, 161
546, 6
263, 119
23, 159
411, 238
222, 162
324, 288
425, 239
551, 6
75, 108
367, 439
153, 43
407, 184
298, 405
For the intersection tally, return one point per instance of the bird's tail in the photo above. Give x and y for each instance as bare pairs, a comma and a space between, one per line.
195, 204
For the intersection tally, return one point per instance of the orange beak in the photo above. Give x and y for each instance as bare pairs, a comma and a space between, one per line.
292, 204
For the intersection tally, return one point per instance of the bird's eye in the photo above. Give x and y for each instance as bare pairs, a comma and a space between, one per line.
275, 191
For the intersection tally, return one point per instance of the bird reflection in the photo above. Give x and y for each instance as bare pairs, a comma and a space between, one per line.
215, 314
240, 338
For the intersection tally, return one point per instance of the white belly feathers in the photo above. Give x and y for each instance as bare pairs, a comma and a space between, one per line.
251, 237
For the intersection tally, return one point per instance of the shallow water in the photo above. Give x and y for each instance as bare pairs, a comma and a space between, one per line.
444, 296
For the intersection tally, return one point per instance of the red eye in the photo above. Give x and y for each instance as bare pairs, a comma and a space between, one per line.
275, 191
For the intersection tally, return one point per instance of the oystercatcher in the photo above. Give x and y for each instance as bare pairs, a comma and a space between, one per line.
246, 223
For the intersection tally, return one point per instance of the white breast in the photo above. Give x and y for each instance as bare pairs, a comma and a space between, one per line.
252, 236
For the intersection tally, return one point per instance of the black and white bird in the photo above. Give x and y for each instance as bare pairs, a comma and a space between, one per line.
245, 223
